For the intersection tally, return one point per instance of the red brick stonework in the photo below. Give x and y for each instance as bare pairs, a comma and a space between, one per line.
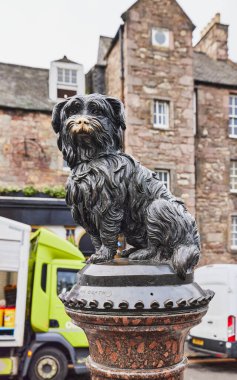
28, 150
214, 151
156, 73
214, 40
199, 162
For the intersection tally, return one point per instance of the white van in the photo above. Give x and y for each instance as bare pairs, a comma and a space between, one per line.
217, 334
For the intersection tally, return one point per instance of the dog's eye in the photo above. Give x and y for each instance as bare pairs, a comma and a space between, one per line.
73, 110
95, 110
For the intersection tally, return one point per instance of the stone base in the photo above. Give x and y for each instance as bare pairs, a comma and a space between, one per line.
99, 372
137, 347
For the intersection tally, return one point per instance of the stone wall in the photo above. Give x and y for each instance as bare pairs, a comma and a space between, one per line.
28, 150
214, 150
165, 74
113, 72
95, 80
215, 42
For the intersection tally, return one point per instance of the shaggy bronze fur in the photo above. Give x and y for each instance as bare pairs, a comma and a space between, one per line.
109, 192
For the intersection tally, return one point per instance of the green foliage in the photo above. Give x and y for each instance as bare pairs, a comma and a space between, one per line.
55, 192
30, 191
7, 190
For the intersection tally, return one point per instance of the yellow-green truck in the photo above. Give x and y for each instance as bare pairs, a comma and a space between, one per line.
37, 339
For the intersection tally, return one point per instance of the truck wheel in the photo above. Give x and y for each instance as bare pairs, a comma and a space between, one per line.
48, 364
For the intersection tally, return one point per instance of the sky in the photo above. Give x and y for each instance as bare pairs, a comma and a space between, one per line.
35, 32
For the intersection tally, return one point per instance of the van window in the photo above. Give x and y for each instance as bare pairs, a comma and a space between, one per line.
66, 278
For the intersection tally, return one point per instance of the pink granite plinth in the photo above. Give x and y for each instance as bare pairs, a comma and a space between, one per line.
137, 347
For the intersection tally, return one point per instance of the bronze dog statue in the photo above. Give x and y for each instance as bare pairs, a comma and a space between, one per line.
109, 192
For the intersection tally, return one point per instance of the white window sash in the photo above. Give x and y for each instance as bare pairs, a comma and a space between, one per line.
234, 232
161, 114
162, 174
232, 116
233, 176
60, 75
69, 76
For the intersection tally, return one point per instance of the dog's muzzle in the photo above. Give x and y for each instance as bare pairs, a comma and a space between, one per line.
79, 124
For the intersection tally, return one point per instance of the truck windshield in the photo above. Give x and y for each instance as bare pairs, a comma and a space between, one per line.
66, 278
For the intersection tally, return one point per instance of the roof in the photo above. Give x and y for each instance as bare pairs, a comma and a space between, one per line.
124, 15
104, 45
24, 87
65, 60
211, 71
59, 248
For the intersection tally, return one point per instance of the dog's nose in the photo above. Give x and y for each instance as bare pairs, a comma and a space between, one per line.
82, 120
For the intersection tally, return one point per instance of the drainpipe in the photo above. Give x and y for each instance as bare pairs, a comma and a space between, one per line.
121, 41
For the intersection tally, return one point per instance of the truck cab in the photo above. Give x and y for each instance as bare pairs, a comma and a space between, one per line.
45, 266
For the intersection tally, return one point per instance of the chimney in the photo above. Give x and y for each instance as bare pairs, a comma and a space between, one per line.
214, 39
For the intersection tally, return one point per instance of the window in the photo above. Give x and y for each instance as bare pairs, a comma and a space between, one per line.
60, 75
160, 37
233, 116
67, 76
233, 176
234, 232
66, 278
161, 114
164, 176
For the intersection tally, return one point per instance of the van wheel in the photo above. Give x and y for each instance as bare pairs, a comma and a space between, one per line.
48, 364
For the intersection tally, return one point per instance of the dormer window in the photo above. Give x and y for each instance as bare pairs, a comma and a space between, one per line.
66, 79
67, 76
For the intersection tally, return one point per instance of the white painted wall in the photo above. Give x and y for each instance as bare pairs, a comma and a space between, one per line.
53, 85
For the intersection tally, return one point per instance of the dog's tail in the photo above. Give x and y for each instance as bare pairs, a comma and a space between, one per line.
184, 259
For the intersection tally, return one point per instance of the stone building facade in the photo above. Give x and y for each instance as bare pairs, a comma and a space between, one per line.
215, 144
29, 156
28, 149
181, 109
28, 153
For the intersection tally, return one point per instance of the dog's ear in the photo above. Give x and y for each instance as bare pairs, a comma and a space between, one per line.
118, 109
56, 122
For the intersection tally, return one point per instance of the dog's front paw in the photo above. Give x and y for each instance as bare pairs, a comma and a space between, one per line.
104, 254
142, 254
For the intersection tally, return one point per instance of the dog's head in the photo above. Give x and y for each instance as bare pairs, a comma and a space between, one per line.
87, 126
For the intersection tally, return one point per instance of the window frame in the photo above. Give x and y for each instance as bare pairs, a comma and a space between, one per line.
157, 114
154, 42
232, 116
232, 246
164, 171
233, 176
67, 72
66, 270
